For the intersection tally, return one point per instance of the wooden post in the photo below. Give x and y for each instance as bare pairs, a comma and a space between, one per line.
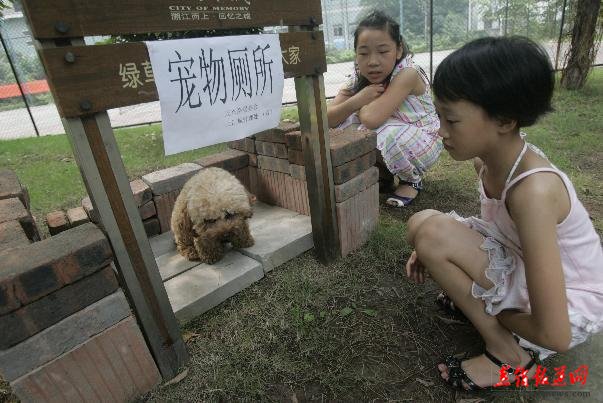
319, 172
98, 158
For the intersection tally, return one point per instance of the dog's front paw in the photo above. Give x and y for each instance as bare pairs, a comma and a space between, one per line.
188, 252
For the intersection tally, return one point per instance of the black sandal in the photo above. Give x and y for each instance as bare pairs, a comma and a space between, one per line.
447, 304
457, 375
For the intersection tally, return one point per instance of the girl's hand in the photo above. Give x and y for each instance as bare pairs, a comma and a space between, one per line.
414, 269
368, 94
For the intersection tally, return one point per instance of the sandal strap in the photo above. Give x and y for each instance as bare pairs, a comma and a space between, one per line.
457, 374
416, 186
510, 369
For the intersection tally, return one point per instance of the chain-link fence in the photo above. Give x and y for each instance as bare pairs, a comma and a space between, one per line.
27, 108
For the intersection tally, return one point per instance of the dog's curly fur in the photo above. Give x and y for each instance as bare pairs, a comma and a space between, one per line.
211, 209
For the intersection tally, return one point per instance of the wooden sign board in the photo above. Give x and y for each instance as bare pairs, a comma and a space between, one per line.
51, 19
89, 79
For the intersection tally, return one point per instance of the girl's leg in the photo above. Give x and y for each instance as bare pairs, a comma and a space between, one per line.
451, 254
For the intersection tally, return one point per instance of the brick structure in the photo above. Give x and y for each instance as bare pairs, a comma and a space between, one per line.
67, 330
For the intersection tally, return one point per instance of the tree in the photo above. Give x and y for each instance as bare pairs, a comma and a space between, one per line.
586, 38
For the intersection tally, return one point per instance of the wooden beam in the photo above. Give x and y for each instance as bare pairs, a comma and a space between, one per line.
312, 110
50, 19
89, 79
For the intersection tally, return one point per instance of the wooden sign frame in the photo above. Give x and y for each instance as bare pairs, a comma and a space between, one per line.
58, 28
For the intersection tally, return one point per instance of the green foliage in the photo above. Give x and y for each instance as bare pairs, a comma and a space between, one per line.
339, 56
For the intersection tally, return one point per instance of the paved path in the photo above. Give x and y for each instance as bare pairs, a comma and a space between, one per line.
17, 124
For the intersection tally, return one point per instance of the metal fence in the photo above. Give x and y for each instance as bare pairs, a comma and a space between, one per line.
432, 28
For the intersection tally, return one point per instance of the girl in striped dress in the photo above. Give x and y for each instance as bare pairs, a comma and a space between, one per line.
390, 94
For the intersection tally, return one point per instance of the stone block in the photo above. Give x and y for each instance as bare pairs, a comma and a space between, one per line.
165, 204
273, 164
297, 171
279, 235
115, 365
204, 286
172, 263
147, 210
141, 191
77, 216
11, 236
349, 145
230, 160
45, 312
152, 226
90, 210
162, 243
57, 222
277, 134
36, 270
247, 144
277, 150
170, 179
357, 217
63, 336
356, 184
294, 140
14, 209
347, 171
296, 157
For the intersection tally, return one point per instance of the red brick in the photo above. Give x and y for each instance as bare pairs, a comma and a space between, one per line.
294, 140
349, 145
247, 144
357, 217
43, 313
10, 187
77, 216
141, 192
347, 171
36, 270
273, 164
297, 171
356, 184
12, 235
296, 157
114, 365
57, 222
277, 150
277, 134
152, 226
170, 179
230, 160
90, 210
164, 205
13, 209
147, 210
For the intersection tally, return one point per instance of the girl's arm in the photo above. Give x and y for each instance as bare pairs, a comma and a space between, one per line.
537, 204
346, 103
378, 111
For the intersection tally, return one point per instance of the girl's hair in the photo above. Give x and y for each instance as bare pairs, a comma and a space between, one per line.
378, 20
511, 78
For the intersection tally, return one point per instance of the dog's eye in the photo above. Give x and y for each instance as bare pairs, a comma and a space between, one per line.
210, 221
228, 215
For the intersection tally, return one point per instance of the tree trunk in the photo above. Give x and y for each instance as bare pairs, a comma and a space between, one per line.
584, 46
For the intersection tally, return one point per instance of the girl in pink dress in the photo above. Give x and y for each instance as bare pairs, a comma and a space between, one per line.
528, 273
391, 95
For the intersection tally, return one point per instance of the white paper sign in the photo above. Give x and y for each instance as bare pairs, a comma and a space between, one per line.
213, 90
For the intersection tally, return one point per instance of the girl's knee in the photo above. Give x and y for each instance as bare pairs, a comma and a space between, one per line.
432, 235
416, 221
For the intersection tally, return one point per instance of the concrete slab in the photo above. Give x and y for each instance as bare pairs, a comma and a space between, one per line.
162, 243
204, 286
172, 264
280, 235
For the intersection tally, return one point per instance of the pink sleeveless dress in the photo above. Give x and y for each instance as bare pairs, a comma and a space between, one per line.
581, 258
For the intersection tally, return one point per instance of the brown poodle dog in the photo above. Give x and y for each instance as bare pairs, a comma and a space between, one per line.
212, 209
